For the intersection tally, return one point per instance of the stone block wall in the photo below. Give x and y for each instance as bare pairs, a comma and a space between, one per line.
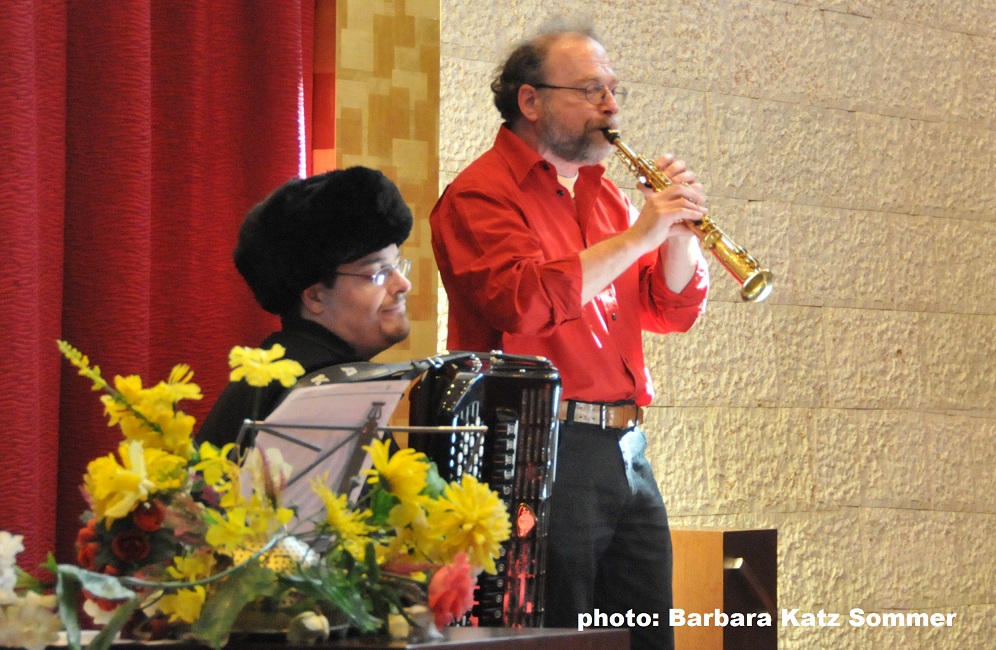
850, 146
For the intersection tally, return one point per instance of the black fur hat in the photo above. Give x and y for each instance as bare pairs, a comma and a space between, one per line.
306, 228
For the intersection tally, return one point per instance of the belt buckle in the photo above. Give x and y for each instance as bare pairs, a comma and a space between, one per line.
603, 413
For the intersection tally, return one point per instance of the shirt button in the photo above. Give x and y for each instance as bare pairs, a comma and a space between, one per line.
546, 167
614, 316
560, 192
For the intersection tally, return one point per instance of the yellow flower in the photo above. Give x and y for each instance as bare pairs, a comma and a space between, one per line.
404, 474
193, 567
179, 384
261, 367
350, 525
229, 533
184, 604
116, 488
469, 517
81, 361
214, 464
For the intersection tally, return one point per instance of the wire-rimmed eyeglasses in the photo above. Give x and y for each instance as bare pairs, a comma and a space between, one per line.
402, 266
594, 93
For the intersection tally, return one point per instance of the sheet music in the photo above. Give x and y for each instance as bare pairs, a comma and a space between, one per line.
321, 429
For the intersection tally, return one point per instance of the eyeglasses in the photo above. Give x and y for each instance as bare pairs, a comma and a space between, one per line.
594, 93
402, 266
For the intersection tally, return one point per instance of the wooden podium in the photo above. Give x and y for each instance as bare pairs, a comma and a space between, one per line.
727, 571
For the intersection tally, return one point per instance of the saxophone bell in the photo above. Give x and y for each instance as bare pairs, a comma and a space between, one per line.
755, 282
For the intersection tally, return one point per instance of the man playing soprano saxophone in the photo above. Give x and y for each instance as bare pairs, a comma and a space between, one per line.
540, 254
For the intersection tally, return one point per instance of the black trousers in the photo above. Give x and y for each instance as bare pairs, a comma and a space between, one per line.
609, 547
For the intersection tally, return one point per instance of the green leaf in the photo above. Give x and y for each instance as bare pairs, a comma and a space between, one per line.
434, 483
100, 585
233, 594
381, 503
70, 581
67, 591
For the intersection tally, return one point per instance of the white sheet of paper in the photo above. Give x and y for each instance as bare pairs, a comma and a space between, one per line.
335, 414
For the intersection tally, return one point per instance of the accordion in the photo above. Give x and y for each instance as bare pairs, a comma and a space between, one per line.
516, 398
494, 418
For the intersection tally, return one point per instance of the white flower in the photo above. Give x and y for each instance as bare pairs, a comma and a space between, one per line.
100, 616
10, 546
268, 473
29, 622
308, 628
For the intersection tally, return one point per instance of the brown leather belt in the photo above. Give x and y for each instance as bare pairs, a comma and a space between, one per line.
607, 416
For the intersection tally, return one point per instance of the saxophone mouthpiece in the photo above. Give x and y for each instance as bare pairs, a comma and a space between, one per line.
611, 134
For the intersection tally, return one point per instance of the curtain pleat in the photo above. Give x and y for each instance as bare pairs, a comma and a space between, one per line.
171, 119
32, 189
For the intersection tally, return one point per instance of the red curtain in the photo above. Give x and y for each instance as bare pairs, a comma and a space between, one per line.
134, 138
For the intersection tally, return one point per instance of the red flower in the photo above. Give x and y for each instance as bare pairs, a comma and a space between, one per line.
451, 591
87, 533
131, 546
149, 516
86, 557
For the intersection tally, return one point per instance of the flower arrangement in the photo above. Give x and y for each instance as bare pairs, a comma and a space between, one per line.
193, 541
27, 616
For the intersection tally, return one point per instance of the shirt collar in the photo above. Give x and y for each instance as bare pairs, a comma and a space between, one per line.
318, 333
522, 159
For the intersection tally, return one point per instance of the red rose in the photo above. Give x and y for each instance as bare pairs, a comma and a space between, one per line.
149, 516
131, 546
451, 591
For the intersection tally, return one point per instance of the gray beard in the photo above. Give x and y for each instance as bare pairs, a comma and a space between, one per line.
582, 150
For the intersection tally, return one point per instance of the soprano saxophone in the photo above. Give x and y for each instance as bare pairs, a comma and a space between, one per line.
755, 283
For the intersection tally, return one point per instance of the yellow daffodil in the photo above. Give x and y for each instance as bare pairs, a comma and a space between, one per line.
261, 367
180, 386
350, 525
470, 518
229, 533
214, 464
403, 475
116, 488
184, 604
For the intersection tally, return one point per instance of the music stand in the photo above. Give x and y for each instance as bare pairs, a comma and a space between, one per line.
323, 429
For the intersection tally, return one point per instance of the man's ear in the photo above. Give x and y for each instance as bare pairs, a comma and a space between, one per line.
311, 298
528, 96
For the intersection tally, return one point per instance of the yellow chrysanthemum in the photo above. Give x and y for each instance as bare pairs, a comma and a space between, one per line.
469, 517
350, 525
184, 604
261, 367
404, 474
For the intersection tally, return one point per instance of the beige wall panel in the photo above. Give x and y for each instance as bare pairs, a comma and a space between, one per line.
387, 110
850, 146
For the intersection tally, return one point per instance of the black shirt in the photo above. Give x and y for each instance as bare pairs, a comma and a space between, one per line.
306, 342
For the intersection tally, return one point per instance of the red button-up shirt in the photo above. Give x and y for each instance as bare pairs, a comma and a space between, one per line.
507, 237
